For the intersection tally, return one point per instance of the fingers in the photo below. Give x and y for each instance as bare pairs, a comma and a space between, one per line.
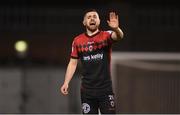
113, 21
112, 15
64, 90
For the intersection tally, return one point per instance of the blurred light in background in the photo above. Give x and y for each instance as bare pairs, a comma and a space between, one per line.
21, 48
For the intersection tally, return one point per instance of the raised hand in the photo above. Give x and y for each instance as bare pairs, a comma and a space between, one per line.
113, 21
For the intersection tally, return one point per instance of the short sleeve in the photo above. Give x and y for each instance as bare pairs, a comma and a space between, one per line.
110, 32
74, 52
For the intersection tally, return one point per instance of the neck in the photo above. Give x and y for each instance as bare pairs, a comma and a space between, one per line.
91, 33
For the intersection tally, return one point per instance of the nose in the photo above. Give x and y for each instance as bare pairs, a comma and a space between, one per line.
92, 19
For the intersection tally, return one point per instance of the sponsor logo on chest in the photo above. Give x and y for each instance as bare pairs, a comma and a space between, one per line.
98, 56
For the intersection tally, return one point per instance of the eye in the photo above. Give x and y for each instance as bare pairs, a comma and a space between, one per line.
88, 17
94, 16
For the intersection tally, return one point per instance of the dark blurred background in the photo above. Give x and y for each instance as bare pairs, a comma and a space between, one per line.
49, 28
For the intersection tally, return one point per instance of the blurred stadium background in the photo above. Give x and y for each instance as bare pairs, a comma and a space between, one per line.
147, 78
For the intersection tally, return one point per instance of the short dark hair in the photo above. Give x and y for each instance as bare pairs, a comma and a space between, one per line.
89, 10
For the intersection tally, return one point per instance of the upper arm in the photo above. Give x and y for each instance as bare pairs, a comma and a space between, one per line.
114, 36
111, 37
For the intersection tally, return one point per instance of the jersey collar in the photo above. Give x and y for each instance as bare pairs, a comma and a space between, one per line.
92, 35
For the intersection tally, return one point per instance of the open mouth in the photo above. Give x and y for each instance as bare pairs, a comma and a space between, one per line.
92, 23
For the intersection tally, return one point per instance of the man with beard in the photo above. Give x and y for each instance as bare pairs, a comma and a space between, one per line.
93, 49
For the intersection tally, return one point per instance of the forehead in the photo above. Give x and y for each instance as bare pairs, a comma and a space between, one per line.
91, 13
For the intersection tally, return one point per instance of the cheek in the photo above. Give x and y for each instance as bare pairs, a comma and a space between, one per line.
87, 22
98, 22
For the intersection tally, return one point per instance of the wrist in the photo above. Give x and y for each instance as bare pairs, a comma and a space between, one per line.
66, 83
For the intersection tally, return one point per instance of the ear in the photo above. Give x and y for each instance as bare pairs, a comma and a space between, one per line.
84, 22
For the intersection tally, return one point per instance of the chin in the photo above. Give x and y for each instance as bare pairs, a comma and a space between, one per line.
92, 29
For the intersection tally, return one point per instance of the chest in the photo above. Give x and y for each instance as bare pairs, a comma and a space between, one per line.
91, 45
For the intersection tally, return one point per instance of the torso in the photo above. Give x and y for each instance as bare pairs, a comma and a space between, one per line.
94, 53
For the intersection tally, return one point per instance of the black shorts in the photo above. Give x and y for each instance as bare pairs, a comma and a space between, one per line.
92, 103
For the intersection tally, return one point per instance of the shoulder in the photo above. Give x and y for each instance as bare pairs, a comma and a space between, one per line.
79, 37
107, 33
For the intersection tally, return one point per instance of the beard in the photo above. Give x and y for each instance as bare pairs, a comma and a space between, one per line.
92, 28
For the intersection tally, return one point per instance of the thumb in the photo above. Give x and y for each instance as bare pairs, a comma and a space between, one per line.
65, 89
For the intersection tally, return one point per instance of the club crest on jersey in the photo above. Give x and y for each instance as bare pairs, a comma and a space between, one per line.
90, 48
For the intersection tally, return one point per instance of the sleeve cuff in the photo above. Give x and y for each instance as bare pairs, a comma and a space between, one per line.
74, 57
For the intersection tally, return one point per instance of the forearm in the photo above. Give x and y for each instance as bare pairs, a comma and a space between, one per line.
70, 71
117, 34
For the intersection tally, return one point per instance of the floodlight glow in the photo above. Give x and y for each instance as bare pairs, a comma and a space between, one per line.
21, 46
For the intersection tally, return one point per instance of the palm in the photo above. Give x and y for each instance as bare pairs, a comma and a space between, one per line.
113, 21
